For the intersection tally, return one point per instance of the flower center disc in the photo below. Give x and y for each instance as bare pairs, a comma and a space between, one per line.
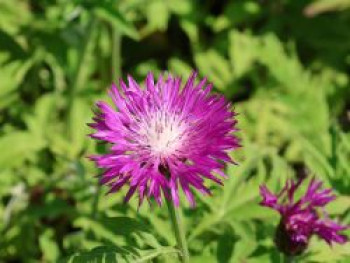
164, 134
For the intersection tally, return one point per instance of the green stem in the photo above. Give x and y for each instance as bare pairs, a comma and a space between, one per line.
333, 132
80, 72
94, 208
116, 54
289, 259
178, 228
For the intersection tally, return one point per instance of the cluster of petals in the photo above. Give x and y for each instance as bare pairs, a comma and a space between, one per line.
302, 218
164, 137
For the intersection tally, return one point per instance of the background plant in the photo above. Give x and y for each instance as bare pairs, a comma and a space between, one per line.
284, 65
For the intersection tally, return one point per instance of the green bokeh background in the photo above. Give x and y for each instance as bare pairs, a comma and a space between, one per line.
284, 64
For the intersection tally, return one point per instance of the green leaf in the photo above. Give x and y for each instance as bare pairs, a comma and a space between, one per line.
48, 246
39, 122
340, 205
117, 20
271, 52
157, 14
147, 255
51, 209
181, 7
320, 251
243, 248
212, 64
10, 45
191, 30
225, 247
79, 117
105, 254
12, 74
321, 6
179, 67
243, 51
17, 147
113, 229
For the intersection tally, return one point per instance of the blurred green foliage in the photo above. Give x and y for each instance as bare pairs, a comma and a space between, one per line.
284, 64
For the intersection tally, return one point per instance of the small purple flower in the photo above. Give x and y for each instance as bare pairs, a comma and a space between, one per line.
164, 137
302, 218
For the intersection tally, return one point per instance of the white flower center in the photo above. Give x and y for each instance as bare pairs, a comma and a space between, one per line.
164, 133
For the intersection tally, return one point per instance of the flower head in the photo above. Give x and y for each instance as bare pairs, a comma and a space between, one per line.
300, 219
163, 137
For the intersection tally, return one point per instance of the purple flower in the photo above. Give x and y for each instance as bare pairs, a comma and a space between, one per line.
164, 137
300, 219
